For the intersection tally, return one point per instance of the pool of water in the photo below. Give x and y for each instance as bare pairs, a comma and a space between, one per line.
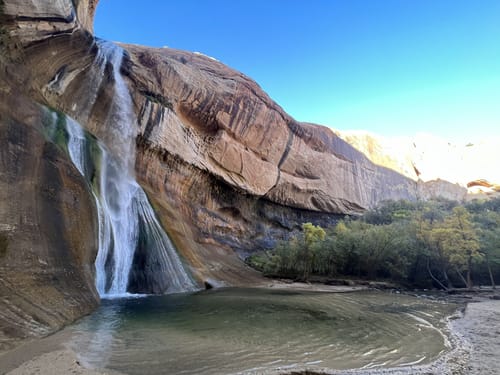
234, 330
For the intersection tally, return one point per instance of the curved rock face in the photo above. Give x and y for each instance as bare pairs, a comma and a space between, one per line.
220, 121
47, 227
48, 221
242, 171
229, 172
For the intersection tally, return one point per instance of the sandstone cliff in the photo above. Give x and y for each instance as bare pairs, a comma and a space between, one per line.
47, 227
227, 169
424, 157
47, 216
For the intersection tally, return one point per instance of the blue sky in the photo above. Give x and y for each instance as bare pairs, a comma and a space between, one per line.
392, 67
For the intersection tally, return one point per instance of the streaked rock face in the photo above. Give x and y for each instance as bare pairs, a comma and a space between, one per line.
239, 169
219, 121
48, 223
47, 227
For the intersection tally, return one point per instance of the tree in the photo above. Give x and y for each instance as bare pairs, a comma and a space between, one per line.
285, 261
403, 241
390, 211
345, 246
377, 249
489, 240
434, 237
461, 242
370, 250
490, 249
313, 235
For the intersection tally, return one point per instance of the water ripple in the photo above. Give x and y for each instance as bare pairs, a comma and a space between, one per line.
248, 331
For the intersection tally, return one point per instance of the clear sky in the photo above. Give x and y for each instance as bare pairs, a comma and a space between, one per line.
392, 67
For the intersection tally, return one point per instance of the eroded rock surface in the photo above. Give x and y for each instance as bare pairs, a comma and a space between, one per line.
48, 223
243, 172
47, 227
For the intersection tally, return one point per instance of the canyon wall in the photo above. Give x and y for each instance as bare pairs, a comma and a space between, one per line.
48, 224
227, 170
470, 163
47, 227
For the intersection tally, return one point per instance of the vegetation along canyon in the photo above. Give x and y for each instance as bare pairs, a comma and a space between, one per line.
160, 213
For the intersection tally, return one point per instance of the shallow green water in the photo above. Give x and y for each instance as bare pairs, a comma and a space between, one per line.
253, 330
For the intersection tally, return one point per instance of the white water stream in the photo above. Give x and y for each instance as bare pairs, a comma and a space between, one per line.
127, 222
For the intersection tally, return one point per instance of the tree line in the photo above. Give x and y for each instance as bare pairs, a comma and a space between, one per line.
438, 243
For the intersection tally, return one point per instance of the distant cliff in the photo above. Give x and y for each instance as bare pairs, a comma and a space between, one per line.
471, 165
228, 171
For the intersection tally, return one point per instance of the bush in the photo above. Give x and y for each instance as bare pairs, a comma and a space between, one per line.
423, 244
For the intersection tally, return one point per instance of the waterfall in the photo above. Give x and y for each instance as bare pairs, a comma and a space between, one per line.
135, 254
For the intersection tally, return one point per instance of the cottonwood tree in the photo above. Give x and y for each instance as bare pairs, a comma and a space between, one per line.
401, 241
313, 235
431, 236
489, 222
461, 242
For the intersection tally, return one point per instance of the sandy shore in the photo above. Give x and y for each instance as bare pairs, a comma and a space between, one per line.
46, 356
310, 287
59, 362
474, 335
480, 327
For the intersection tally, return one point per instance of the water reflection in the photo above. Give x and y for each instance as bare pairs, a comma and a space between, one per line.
94, 340
245, 330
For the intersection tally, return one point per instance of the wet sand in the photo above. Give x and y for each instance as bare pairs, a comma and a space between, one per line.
474, 336
312, 287
59, 362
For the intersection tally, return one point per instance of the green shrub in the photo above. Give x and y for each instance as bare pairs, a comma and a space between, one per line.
159, 99
423, 244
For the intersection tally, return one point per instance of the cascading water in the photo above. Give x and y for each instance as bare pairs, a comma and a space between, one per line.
135, 254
